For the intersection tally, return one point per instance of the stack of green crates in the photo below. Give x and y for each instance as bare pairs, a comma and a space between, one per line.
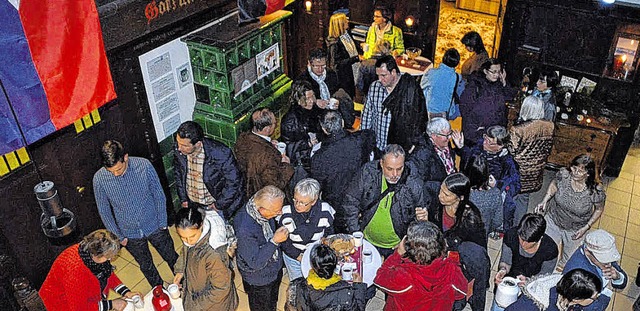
217, 50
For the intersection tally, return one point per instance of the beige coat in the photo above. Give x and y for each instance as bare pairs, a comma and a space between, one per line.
530, 146
208, 280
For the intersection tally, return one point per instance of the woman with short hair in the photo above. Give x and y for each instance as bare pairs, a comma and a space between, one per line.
82, 275
418, 275
203, 271
531, 139
312, 219
382, 29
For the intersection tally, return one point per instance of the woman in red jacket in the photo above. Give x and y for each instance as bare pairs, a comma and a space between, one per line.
82, 276
418, 276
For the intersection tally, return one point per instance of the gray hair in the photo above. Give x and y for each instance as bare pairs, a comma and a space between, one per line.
332, 122
532, 108
101, 243
393, 149
438, 125
268, 192
498, 132
308, 187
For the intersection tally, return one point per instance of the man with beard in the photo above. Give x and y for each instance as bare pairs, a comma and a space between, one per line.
383, 198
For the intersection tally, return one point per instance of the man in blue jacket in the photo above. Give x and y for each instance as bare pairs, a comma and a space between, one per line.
206, 172
259, 256
599, 256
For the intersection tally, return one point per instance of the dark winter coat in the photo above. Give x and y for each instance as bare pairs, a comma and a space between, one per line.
221, 176
339, 158
340, 61
340, 296
332, 82
429, 166
294, 129
483, 104
359, 202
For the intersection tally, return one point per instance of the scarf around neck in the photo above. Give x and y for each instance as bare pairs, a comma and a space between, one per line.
319, 283
380, 32
324, 89
349, 45
102, 271
267, 232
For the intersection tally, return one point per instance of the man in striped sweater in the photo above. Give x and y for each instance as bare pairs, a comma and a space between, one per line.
132, 205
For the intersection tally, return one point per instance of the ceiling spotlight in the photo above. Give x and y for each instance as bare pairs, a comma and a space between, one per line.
609, 1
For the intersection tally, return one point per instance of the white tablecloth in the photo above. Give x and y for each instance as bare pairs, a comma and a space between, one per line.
369, 271
177, 303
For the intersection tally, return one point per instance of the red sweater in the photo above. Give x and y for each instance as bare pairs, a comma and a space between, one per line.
411, 286
71, 286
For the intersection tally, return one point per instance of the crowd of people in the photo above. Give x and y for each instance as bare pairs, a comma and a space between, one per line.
427, 197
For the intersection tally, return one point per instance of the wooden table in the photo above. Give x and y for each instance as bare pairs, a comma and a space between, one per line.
417, 67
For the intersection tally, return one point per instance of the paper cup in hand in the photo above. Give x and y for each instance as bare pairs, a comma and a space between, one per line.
358, 236
282, 147
174, 291
365, 47
138, 302
289, 224
333, 104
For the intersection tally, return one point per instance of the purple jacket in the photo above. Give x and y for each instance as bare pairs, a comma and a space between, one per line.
482, 105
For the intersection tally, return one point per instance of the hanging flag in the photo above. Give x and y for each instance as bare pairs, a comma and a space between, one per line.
53, 67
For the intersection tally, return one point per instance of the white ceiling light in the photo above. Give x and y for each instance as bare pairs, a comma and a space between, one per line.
609, 1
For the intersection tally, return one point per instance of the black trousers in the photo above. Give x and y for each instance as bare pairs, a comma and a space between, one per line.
139, 249
264, 297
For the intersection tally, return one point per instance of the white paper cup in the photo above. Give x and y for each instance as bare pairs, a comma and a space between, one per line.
138, 302
174, 291
333, 104
347, 273
365, 47
289, 224
358, 237
282, 147
367, 256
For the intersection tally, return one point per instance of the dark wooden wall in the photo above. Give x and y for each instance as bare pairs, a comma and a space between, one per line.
69, 159
574, 37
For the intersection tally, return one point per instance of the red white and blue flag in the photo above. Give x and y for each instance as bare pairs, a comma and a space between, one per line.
53, 67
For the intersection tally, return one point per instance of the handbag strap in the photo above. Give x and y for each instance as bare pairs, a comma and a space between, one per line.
454, 96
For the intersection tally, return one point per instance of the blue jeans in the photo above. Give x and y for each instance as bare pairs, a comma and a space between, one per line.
294, 270
495, 307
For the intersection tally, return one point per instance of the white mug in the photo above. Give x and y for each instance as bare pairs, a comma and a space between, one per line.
347, 273
333, 104
367, 255
358, 237
138, 302
174, 291
282, 147
289, 224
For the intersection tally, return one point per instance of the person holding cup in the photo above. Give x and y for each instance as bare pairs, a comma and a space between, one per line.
308, 219
302, 119
202, 270
383, 30
82, 276
323, 289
